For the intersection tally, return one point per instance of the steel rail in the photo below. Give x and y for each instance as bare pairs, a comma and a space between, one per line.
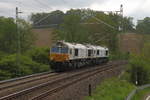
24, 77
24, 82
32, 89
63, 86
10, 87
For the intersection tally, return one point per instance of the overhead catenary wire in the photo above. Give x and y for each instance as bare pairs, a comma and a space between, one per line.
64, 1
102, 38
39, 26
45, 16
32, 6
43, 4
43, 19
99, 20
104, 23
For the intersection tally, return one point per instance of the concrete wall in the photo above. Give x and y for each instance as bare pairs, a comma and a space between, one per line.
128, 42
131, 42
43, 37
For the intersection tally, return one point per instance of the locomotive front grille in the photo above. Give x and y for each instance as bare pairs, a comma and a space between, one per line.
59, 57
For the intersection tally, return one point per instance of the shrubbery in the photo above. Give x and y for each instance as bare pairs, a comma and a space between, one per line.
137, 71
140, 94
112, 89
40, 55
118, 56
4, 75
9, 68
140, 70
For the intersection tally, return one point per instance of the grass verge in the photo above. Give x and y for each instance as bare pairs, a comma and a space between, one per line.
112, 89
140, 95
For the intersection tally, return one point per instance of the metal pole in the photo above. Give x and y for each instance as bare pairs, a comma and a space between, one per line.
18, 37
121, 26
121, 13
90, 90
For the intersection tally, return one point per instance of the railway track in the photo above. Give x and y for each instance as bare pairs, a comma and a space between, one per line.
47, 88
17, 84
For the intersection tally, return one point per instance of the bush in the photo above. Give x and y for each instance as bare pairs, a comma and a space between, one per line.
126, 75
112, 89
2, 54
4, 75
26, 66
40, 55
139, 70
140, 94
119, 56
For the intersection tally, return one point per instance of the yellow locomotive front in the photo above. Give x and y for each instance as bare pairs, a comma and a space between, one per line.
59, 54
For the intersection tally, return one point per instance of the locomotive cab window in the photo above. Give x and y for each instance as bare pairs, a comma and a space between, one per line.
97, 52
54, 50
70, 51
76, 52
107, 53
59, 50
63, 50
89, 52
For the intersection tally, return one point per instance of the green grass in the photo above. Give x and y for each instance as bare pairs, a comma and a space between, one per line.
141, 94
112, 89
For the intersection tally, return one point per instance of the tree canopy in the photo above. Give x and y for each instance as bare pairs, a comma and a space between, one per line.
143, 26
47, 19
94, 27
8, 35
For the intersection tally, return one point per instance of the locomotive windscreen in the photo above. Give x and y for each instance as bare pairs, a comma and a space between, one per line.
59, 50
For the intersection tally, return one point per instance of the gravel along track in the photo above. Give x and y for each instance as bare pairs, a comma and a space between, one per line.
10, 86
55, 84
72, 80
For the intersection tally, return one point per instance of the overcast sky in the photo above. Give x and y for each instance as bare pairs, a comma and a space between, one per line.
137, 9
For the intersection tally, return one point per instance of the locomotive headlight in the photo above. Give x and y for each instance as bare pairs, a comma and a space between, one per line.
51, 57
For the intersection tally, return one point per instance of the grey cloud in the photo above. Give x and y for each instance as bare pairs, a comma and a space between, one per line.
28, 6
73, 3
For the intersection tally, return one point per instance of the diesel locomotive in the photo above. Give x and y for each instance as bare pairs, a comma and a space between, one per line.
65, 56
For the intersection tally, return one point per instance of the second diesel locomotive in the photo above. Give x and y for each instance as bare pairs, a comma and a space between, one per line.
65, 55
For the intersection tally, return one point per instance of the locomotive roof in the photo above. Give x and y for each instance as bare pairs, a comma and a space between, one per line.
74, 45
80, 46
70, 45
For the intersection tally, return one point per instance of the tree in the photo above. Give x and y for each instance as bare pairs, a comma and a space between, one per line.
143, 26
139, 70
47, 19
8, 35
103, 30
128, 25
9, 67
72, 30
83, 26
27, 37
